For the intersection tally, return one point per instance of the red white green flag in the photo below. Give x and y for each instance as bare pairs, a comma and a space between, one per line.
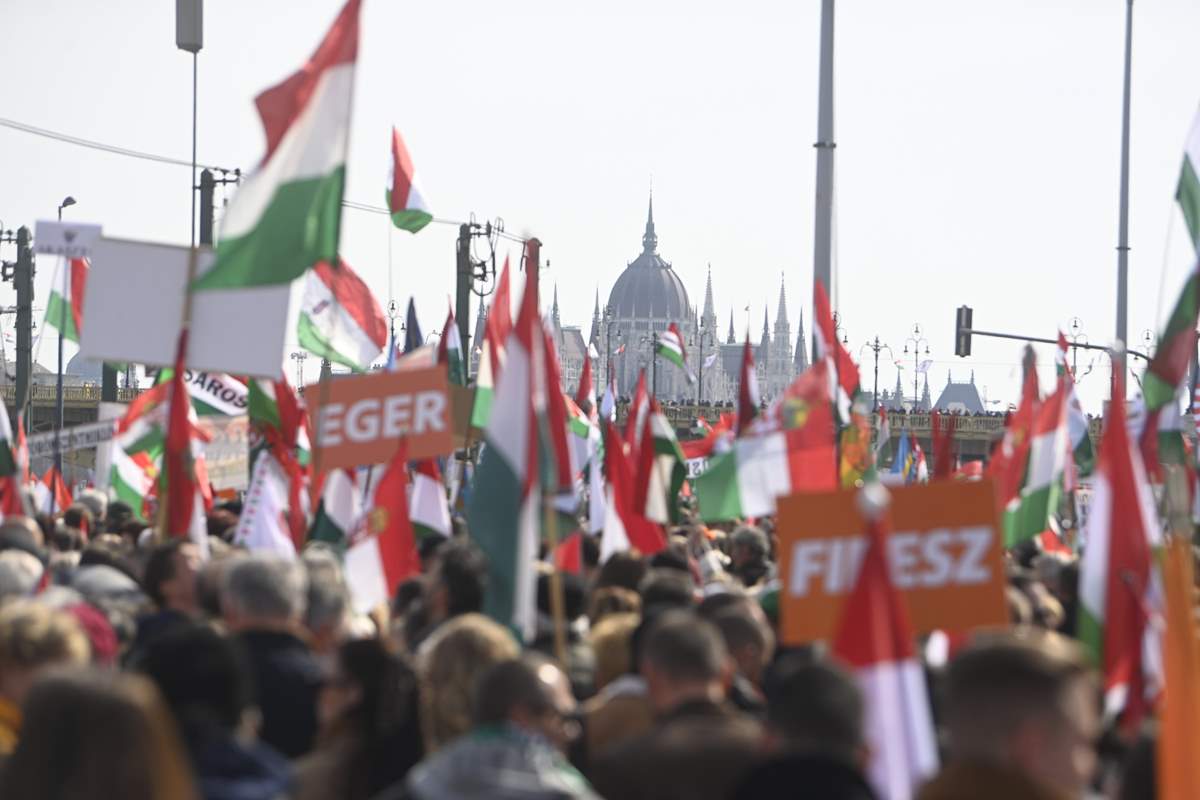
406, 203
428, 508
450, 352
491, 357
340, 319
64, 311
671, 347
287, 216
385, 553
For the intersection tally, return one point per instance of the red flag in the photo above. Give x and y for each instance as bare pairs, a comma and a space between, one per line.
499, 323
177, 458
639, 407
875, 638
748, 396
389, 522
829, 347
60, 496
1012, 453
624, 525
585, 394
568, 556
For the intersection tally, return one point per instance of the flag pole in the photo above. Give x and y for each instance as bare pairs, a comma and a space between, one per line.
1123, 221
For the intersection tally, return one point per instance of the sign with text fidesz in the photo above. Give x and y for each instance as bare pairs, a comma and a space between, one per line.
944, 552
360, 420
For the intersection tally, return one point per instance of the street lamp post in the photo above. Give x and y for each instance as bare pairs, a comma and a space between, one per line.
916, 340
609, 320
876, 347
1076, 337
62, 326
299, 357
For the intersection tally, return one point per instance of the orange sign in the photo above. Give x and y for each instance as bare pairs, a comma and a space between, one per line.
944, 551
359, 420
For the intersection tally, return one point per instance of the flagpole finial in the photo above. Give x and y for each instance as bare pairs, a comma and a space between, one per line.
873, 500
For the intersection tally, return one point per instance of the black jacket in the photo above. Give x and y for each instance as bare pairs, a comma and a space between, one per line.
287, 679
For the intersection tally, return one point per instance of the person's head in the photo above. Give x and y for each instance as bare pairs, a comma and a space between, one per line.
20, 573
682, 659
457, 581
34, 638
531, 693
367, 693
748, 637
117, 515
263, 591
624, 569
573, 592
1028, 701
79, 517
666, 588
169, 577
612, 644
96, 503
613, 600
22, 533
449, 663
328, 601
816, 708
97, 734
748, 546
202, 675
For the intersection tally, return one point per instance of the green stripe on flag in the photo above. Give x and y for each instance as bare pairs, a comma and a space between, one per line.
1188, 196
298, 228
58, 311
481, 411
314, 341
717, 489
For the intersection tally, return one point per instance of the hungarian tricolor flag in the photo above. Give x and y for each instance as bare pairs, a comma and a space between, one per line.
625, 526
51, 493
875, 638
340, 319
14, 467
405, 201
491, 356
428, 507
1031, 510
1176, 348
505, 511
264, 524
339, 510
1118, 583
749, 398
639, 410
450, 352
670, 347
1082, 451
1011, 456
790, 449
843, 373
660, 469
187, 492
385, 552
64, 311
286, 217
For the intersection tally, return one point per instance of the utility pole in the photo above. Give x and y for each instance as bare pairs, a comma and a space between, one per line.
465, 273
21, 273
1123, 220
823, 235
876, 347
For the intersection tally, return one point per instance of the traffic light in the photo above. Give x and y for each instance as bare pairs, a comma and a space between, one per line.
962, 331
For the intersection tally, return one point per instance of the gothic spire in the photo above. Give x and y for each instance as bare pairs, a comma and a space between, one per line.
781, 316
709, 312
595, 333
765, 344
649, 239
732, 339
926, 403
801, 356
554, 308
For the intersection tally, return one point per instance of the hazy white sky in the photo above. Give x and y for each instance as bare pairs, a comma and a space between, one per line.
977, 156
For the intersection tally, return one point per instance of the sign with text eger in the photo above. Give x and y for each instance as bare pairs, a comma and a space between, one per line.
944, 551
360, 420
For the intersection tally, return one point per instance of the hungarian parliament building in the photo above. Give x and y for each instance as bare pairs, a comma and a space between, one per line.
646, 298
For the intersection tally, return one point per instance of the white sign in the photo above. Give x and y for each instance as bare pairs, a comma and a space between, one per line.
696, 466
66, 239
134, 298
78, 437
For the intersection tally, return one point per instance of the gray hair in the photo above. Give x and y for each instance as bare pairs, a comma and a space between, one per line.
752, 538
328, 598
19, 574
265, 585
95, 502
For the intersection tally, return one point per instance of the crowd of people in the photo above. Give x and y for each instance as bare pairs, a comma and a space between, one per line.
130, 668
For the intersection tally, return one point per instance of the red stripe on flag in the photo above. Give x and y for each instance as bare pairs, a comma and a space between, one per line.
356, 298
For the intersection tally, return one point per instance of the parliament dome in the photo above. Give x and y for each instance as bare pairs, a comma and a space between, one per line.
649, 287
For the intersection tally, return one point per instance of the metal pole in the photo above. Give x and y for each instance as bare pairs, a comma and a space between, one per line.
462, 303
876, 348
700, 368
1123, 223
64, 268
823, 235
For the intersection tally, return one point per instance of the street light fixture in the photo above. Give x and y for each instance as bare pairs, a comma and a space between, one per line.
876, 347
67, 202
916, 340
